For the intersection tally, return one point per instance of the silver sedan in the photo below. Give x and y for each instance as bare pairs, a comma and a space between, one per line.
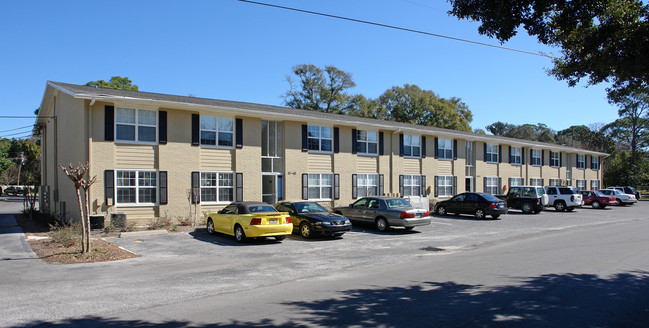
385, 212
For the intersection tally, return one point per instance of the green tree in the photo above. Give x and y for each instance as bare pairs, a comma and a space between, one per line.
539, 132
581, 136
30, 171
318, 89
5, 161
410, 104
633, 126
116, 82
601, 40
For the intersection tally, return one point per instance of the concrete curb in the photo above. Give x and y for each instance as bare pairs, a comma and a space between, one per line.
142, 233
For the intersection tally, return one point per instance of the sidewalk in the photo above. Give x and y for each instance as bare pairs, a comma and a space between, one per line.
13, 245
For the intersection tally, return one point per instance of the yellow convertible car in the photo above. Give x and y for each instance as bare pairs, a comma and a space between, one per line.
245, 220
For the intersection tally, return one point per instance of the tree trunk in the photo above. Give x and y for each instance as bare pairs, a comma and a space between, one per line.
83, 224
87, 218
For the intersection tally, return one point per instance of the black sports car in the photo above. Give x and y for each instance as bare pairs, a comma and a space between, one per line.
310, 219
478, 204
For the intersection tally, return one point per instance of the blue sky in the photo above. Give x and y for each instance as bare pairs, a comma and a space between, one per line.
226, 49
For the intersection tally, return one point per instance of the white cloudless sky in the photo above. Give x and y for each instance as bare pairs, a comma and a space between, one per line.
227, 49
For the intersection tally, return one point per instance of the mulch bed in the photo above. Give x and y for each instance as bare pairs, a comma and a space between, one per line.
52, 252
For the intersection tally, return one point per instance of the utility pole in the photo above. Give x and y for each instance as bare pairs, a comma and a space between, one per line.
20, 165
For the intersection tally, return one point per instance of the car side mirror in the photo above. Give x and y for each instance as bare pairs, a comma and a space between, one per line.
351, 205
220, 212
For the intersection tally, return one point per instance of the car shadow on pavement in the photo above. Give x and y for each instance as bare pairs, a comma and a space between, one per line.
371, 229
466, 217
551, 300
227, 240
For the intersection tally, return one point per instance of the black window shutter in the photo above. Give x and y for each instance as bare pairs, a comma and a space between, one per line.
239, 131
381, 184
109, 123
542, 157
531, 155
542, 182
163, 188
109, 185
500, 184
485, 152
239, 184
500, 153
560, 159
401, 185
162, 128
196, 129
196, 187
336, 140
510, 155
455, 149
305, 185
336, 186
484, 184
509, 182
381, 150
455, 185
423, 185
401, 144
423, 146
436, 186
436, 147
354, 141
354, 186
304, 139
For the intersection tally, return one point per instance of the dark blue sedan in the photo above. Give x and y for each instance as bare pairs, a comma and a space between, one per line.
310, 219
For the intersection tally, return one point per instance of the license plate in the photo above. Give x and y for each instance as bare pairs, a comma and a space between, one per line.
418, 215
273, 221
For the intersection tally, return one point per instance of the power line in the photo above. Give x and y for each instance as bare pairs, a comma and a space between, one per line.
22, 127
399, 28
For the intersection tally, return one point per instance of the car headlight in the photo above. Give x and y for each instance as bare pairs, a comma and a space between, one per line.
323, 223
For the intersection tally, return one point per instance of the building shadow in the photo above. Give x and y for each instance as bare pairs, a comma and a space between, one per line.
227, 240
553, 300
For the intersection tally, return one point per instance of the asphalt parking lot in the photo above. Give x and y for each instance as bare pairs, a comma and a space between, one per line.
364, 244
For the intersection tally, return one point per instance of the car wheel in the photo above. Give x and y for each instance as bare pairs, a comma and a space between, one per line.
382, 224
495, 216
210, 226
560, 206
305, 230
479, 214
409, 228
595, 204
526, 207
280, 238
441, 210
239, 235
570, 209
619, 201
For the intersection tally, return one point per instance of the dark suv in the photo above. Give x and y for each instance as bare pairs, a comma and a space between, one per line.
529, 199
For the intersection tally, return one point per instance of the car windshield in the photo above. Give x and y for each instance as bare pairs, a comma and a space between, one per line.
397, 202
309, 207
490, 198
597, 193
261, 209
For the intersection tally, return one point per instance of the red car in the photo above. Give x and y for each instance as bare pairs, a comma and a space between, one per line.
597, 200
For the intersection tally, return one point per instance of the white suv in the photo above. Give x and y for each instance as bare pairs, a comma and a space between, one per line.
621, 197
564, 198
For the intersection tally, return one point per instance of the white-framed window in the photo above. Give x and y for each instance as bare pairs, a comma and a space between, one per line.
594, 162
444, 148
320, 138
367, 184
491, 153
217, 131
491, 185
594, 184
411, 146
320, 186
217, 187
536, 157
411, 185
136, 125
537, 182
580, 184
555, 159
581, 162
445, 186
555, 182
515, 155
515, 182
136, 187
367, 142
272, 147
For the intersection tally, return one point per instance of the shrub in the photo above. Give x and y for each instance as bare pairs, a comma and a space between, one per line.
159, 223
67, 236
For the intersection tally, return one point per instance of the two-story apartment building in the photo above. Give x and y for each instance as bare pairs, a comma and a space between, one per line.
166, 155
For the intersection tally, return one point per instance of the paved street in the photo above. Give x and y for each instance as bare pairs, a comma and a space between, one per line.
459, 271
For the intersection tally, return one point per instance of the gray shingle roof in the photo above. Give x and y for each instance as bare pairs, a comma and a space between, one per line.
88, 92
